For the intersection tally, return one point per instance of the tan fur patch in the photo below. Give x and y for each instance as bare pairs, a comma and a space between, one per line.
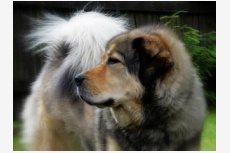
97, 77
155, 45
51, 134
112, 144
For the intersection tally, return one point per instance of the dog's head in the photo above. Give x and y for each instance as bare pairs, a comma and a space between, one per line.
131, 64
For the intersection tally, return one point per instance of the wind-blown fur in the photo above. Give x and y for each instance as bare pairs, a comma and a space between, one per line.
71, 46
76, 32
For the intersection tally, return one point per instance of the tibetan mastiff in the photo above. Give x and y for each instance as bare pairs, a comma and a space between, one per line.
147, 91
144, 93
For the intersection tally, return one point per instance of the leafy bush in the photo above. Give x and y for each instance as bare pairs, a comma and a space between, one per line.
202, 48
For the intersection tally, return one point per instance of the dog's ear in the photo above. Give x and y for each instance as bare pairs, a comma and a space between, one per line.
154, 47
154, 56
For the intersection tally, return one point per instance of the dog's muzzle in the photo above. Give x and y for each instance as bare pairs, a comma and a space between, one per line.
84, 94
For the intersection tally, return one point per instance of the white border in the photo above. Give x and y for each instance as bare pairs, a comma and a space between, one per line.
6, 77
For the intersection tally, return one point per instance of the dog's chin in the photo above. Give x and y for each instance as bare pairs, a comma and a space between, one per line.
101, 104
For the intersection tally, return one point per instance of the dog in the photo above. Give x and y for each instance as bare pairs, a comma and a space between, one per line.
54, 117
147, 92
112, 88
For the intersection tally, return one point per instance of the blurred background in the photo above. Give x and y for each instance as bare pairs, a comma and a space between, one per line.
194, 21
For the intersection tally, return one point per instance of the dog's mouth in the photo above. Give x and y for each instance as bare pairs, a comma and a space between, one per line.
105, 103
91, 100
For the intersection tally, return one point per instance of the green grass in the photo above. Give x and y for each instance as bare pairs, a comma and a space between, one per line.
17, 144
208, 142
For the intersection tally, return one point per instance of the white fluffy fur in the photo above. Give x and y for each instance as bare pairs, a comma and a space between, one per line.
87, 34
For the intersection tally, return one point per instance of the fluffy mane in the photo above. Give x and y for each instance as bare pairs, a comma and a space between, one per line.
84, 32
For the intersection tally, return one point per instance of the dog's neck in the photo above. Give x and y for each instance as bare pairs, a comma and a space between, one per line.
127, 114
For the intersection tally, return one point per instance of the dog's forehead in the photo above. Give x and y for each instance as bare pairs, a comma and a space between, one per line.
111, 49
120, 44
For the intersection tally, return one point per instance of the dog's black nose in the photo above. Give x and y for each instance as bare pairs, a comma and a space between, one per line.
79, 79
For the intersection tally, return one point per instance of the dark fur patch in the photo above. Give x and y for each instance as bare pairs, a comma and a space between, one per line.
191, 143
65, 85
151, 66
59, 52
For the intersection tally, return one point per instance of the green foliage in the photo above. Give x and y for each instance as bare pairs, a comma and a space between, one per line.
202, 48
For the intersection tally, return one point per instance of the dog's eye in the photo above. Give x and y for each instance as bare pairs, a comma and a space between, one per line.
113, 61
